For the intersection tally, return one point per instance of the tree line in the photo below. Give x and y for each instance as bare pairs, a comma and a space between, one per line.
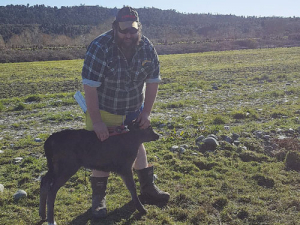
42, 27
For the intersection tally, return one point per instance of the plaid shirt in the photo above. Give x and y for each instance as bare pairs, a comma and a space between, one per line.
119, 83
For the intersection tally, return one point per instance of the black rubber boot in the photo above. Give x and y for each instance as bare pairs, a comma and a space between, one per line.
98, 197
149, 191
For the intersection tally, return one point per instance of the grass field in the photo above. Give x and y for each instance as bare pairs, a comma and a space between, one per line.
250, 93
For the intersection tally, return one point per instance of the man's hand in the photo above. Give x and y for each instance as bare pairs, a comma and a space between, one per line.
143, 120
101, 130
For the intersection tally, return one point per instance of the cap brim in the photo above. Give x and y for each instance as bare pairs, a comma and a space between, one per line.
128, 24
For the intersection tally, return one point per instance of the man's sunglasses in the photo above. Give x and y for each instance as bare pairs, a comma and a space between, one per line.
130, 30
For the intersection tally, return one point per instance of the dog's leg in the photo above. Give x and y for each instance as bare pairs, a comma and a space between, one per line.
129, 182
44, 188
58, 182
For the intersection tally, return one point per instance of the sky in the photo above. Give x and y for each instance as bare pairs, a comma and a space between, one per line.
259, 8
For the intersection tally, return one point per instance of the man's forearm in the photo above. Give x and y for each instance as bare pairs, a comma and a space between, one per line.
150, 95
91, 98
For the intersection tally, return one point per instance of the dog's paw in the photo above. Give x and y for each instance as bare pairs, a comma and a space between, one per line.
52, 223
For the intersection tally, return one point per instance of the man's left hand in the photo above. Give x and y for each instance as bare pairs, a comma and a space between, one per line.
143, 120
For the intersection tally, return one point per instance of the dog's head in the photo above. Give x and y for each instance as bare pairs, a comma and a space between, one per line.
146, 135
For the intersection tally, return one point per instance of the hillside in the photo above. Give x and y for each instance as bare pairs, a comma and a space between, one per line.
63, 33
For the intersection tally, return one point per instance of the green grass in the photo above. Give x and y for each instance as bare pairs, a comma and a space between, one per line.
203, 93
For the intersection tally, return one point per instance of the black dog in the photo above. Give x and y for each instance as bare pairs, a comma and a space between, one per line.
68, 150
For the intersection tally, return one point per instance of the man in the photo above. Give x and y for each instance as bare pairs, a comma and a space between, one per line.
117, 65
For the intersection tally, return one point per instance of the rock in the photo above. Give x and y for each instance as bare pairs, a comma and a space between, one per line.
267, 137
235, 136
184, 145
188, 118
209, 144
181, 150
1, 188
236, 143
174, 148
200, 122
18, 160
213, 136
1, 151
38, 140
279, 130
290, 131
199, 139
227, 139
20, 194
281, 137
227, 127
292, 160
258, 134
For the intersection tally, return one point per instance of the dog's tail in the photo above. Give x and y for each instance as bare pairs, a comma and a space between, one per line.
48, 148
46, 180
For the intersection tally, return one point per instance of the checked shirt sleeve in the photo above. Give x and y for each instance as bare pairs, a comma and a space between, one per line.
154, 77
94, 65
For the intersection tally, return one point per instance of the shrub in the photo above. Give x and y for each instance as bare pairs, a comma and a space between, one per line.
239, 115
220, 203
218, 120
33, 98
19, 107
263, 181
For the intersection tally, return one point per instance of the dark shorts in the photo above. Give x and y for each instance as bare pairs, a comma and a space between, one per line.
132, 116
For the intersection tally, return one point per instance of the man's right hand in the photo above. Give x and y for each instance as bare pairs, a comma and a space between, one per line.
101, 130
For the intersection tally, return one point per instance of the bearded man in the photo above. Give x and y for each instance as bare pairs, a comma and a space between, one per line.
117, 65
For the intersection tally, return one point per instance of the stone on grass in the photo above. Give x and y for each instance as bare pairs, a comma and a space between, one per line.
18, 160
188, 118
227, 127
20, 194
236, 143
213, 136
181, 150
235, 136
292, 160
174, 148
199, 139
38, 140
1, 151
209, 144
227, 139
1, 188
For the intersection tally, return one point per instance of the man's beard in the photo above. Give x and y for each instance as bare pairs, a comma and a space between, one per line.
127, 43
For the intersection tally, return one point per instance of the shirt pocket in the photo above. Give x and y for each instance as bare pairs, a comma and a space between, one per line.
116, 71
112, 67
144, 69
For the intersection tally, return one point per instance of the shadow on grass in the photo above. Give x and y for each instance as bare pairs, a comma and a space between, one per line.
127, 212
